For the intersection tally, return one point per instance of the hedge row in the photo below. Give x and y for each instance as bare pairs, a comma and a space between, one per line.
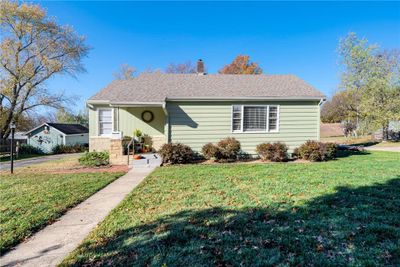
228, 149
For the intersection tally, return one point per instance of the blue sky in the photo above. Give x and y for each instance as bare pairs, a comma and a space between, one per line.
283, 37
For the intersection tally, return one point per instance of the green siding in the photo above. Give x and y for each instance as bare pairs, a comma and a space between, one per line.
127, 119
131, 119
45, 141
197, 123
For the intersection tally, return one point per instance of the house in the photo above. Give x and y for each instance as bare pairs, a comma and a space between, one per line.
48, 135
195, 109
19, 137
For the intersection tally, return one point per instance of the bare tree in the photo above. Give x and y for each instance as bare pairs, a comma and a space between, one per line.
181, 68
125, 72
33, 49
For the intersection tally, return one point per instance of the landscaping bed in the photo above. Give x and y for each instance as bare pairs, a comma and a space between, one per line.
32, 200
335, 213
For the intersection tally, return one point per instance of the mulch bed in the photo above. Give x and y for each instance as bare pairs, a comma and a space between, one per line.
249, 161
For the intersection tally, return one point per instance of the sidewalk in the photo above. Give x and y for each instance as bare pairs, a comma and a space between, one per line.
384, 148
52, 244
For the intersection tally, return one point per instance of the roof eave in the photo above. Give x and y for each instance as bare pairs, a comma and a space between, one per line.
125, 103
273, 98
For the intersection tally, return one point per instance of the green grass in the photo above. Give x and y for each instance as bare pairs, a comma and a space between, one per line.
23, 156
339, 213
30, 201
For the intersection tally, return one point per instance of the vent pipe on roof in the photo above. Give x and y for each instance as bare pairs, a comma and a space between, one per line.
200, 67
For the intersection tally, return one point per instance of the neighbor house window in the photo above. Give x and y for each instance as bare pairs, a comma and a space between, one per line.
255, 118
105, 121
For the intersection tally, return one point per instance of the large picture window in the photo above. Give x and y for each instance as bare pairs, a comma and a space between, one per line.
105, 121
254, 118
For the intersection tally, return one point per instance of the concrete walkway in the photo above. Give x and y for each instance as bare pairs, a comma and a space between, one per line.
51, 245
32, 161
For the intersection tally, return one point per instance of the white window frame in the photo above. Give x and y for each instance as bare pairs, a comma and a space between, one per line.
98, 121
267, 122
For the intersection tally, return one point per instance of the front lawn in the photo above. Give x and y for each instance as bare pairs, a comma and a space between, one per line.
343, 212
29, 201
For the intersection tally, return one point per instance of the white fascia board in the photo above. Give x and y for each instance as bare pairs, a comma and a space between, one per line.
243, 98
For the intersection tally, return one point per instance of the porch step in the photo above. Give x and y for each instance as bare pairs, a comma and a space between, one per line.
149, 160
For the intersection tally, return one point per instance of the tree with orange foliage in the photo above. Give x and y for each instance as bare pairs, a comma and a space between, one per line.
241, 65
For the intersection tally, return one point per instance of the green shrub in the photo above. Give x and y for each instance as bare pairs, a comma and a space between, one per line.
331, 150
63, 149
93, 159
210, 151
176, 153
226, 149
317, 151
274, 152
25, 149
229, 148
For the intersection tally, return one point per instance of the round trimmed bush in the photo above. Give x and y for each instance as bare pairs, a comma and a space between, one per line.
229, 148
210, 151
276, 152
317, 151
176, 153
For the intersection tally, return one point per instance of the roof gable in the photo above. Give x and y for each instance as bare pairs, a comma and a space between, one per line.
68, 128
65, 128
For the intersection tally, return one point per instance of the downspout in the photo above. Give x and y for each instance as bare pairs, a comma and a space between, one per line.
166, 123
319, 119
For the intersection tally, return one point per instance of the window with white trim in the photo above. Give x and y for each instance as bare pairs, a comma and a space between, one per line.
255, 118
105, 121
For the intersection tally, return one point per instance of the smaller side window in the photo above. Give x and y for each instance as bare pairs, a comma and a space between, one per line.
273, 118
105, 121
236, 118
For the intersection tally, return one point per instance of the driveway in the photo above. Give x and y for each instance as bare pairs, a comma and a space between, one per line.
32, 161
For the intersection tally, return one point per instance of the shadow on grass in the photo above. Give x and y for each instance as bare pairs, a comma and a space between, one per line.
354, 226
369, 143
344, 153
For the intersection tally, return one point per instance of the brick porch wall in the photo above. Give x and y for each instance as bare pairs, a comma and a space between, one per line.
117, 156
113, 146
98, 143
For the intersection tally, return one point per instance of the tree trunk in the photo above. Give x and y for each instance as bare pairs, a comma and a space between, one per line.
385, 132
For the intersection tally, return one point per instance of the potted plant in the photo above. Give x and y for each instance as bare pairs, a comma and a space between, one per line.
137, 135
146, 148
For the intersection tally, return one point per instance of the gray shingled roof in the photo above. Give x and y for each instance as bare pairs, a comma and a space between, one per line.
157, 87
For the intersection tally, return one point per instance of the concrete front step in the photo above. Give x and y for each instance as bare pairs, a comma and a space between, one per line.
149, 160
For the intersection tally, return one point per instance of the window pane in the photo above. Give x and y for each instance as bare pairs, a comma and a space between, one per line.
105, 115
273, 118
255, 119
105, 121
236, 118
236, 124
236, 115
105, 127
237, 108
